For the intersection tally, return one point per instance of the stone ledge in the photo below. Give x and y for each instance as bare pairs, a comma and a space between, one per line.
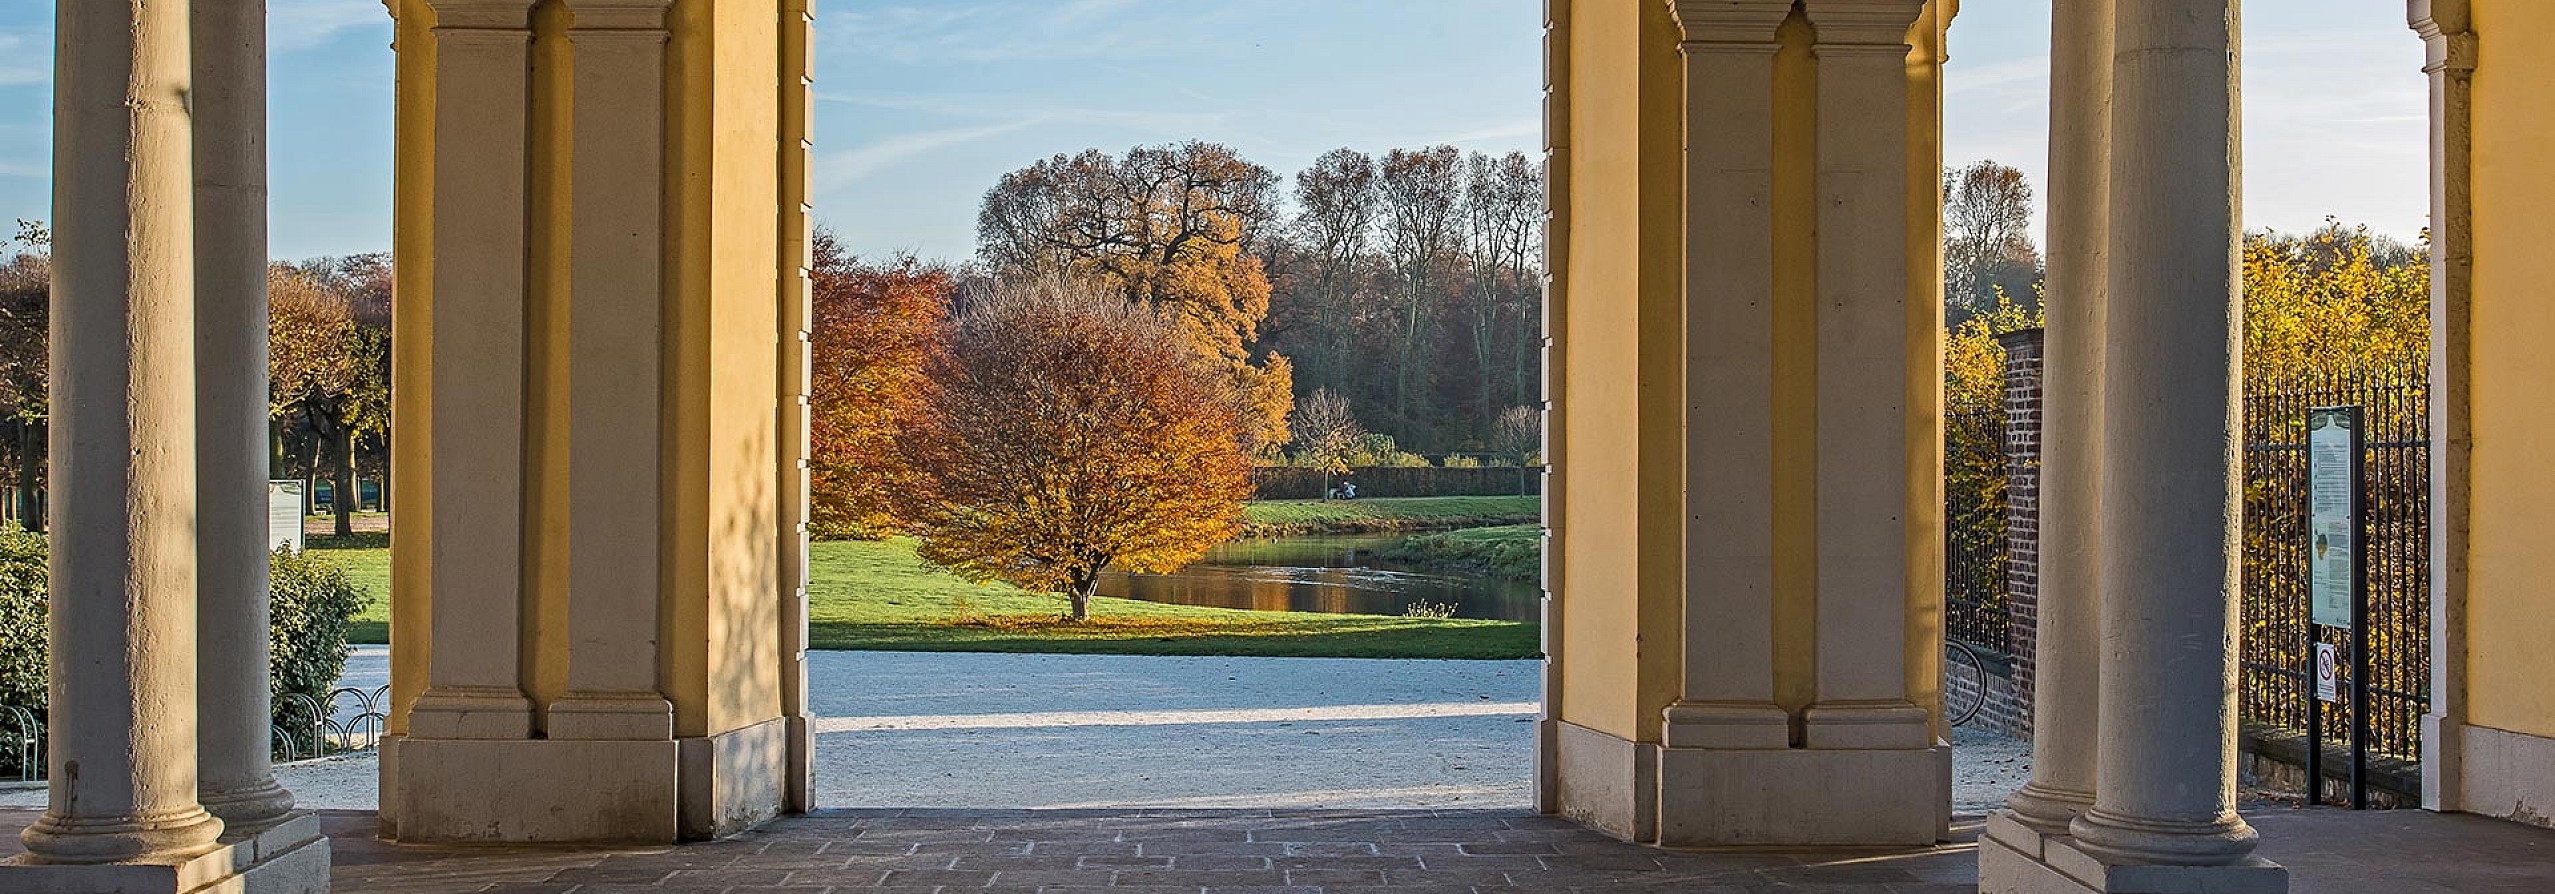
288, 858
2254, 875
1804, 797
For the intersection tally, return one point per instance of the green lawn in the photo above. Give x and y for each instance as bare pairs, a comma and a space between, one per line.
1267, 517
879, 595
1508, 550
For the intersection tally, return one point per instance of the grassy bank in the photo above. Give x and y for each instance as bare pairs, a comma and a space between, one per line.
1277, 518
1513, 551
881, 596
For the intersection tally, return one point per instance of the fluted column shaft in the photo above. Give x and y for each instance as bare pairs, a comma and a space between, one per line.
2165, 790
2066, 698
123, 643
238, 779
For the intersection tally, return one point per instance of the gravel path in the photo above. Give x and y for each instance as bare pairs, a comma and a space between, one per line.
993, 730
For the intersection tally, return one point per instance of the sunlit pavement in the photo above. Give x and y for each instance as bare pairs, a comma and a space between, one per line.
978, 730
1222, 774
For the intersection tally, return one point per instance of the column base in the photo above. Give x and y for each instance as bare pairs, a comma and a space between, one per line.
1601, 780
584, 791
2500, 773
526, 791
734, 781
1711, 797
289, 857
2013, 858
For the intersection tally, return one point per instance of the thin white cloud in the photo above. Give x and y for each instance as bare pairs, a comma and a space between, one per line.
25, 58
297, 25
14, 168
1502, 131
1008, 31
843, 168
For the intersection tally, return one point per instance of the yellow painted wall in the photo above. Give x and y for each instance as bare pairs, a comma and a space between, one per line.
2511, 584
412, 361
1926, 42
546, 510
728, 439
1796, 366
1622, 523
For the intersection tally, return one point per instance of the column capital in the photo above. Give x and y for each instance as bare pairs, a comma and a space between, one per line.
618, 15
503, 15
1730, 21
2448, 34
1874, 23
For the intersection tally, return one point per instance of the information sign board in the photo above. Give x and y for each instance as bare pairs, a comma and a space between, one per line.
2333, 513
285, 504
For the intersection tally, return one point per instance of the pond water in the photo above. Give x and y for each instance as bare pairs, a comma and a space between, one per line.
1338, 574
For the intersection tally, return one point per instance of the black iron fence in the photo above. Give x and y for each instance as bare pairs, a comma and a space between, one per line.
2278, 674
1975, 584
2275, 651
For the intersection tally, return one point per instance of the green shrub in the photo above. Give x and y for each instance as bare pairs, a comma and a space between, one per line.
314, 604
22, 613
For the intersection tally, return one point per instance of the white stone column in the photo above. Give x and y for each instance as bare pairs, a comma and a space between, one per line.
2450, 51
2067, 644
474, 684
122, 651
2164, 804
1863, 693
238, 779
615, 355
1728, 699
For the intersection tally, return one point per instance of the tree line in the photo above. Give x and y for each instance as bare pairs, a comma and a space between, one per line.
1407, 283
328, 362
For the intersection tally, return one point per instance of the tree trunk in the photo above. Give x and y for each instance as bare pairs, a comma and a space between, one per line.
30, 467
342, 494
278, 459
1081, 596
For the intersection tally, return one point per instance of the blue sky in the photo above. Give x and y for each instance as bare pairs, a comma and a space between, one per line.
923, 103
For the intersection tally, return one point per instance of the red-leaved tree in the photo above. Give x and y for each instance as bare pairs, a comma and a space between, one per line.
874, 324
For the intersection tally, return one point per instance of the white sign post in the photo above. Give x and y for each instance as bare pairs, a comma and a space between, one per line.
2335, 441
286, 502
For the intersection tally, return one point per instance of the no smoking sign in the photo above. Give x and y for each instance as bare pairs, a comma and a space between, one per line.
2328, 673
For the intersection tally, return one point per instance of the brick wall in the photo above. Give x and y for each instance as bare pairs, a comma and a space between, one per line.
2023, 352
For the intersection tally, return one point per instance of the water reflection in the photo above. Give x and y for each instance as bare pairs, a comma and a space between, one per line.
1337, 574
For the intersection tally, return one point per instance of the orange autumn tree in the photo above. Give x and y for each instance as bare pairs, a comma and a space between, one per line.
1179, 227
873, 326
1062, 432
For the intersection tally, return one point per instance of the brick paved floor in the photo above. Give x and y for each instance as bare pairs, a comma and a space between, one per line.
922, 851
1149, 852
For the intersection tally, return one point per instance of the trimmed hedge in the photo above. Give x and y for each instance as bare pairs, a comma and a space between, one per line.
313, 606
1305, 483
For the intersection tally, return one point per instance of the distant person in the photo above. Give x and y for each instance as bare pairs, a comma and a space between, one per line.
1348, 490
